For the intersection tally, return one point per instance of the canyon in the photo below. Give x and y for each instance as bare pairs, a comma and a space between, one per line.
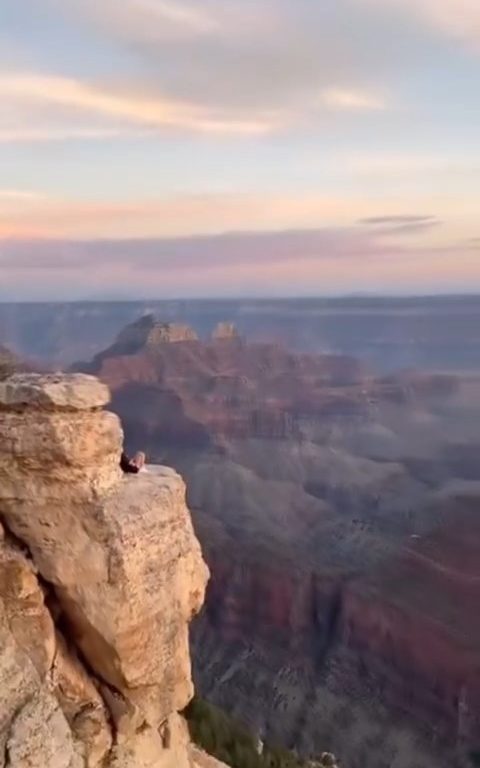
434, 333
337, 507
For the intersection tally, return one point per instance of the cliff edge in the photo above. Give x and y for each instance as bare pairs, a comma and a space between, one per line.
100, 575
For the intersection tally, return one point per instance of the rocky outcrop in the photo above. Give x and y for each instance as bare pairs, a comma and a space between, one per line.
223, 388
100, 575
170, 333
148, 331
225, 331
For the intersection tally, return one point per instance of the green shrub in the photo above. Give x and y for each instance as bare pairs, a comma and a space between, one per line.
224, 738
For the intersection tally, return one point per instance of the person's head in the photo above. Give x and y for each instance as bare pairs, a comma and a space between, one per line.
139, 459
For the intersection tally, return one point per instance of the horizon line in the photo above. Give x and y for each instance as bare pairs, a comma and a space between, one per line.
257, 299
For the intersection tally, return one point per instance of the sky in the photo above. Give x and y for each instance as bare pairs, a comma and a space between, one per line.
204, 148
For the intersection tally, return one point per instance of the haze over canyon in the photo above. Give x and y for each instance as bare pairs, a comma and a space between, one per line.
336, 498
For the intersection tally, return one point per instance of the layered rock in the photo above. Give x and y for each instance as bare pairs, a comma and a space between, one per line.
148, 331
225, 331
340, 544
439, 333
99, 576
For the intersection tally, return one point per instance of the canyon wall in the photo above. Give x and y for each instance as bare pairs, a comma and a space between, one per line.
338, 511
100, 575
337, 663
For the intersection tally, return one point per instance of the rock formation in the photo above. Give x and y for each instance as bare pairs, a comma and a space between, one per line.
339, 515
148, 331
100, 575
225, 331
439, 333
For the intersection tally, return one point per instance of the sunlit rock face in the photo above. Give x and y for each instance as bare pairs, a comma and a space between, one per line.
225, 331
100, 575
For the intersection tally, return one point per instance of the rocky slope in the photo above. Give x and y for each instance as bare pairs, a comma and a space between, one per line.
99, 577
339, 514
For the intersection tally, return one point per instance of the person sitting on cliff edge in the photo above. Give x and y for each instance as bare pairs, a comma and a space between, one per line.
132, 466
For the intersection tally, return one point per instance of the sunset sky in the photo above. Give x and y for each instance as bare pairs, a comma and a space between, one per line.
161, 148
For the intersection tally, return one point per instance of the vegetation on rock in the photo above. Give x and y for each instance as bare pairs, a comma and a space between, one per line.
227, 740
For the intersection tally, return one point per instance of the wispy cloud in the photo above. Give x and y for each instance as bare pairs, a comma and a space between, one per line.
185, 253
353, 100
296, 262
21, 195
187, 15
400, 219
172, 216
68, 133
136, 110
200, 214
272, 54
402, 224
133, 114
455, 19
60, 100
147, 20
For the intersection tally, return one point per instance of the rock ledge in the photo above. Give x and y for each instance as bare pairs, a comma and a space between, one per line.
69, 392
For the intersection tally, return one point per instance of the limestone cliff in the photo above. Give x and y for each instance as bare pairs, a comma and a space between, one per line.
100, 575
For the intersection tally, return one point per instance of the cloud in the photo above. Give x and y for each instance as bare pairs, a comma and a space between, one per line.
147, 20
206, 213
400, 219
20, 195
188, 16
403, 224
171, 216
294, 262
187, 253
455, 19
268, 55
354, 100
135, 109
132, 113
185, 214
67, 133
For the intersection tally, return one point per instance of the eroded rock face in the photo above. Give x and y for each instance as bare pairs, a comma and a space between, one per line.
150, 331
341, 541
99, 576
225, 331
